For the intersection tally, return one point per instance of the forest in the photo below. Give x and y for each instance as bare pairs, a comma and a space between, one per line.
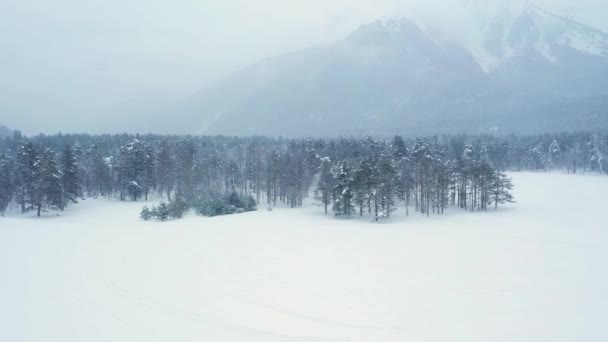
225, 175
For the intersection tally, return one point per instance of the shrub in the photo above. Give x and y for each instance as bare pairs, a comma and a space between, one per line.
177, 209
162, 212
145, 214
210, 204
216, 205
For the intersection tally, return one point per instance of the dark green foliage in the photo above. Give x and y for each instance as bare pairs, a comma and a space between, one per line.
177, 208
325, 184
25, 174
351, 176
146, 214
500, 189
48, 190
164, 212
250, 204
212, 207
70, 179
6, 183
161, 212
343, 189
217, 204
131, 170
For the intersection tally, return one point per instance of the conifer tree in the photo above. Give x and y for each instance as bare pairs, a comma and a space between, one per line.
501, 187
325, 184
386, 185
149, 178
165, 171
48, 190
6, 183
343, 188
70, 178
25, 173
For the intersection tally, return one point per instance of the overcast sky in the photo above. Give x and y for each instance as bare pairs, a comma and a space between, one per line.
63, 63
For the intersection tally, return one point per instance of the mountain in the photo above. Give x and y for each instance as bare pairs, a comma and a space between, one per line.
524, 71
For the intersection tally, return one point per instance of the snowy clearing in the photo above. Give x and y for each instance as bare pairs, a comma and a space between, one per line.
533, 271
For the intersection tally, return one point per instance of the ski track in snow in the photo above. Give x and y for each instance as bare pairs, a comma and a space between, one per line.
532, 271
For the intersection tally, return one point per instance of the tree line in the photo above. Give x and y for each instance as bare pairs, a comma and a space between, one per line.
215, 175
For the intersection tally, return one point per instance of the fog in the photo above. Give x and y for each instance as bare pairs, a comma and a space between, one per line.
94, 66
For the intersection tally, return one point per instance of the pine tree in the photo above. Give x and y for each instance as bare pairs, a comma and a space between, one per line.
165, 169
48, 191
131, 170
6, 182
99, 167
149, 181
554, 154
403, 170
364, 182
597, 154
325, 183
273, 177
25, 171
145, 214
386, 185
501, 187
70, 178
343, 188
162, 212
185, 153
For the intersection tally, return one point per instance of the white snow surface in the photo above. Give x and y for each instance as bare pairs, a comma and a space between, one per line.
533, 271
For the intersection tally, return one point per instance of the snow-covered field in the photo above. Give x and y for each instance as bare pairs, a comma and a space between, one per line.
533, 271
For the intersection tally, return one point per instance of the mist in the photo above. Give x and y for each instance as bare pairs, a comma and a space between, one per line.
103, 66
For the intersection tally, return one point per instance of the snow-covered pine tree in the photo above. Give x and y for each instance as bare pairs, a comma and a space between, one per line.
162, 212
535, 157
149, 181
145, 213
99, 172
165, 169
70, 177
386, 185
554, 154
185, 153
325, 184
597, 154
48, 190
423, 159
485, 184
364, 181
343, 188
403, 173
254, 167
6, 182
130, 167
500, 189
273, 176
25, 172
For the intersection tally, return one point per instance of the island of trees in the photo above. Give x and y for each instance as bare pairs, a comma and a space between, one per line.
224, 175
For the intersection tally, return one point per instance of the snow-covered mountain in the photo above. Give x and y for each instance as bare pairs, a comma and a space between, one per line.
523, 70
510, 34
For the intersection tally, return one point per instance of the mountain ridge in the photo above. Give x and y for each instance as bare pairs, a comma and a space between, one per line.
392, 76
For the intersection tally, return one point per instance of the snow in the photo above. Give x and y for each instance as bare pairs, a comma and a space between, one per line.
533, 271
552, 30
572, 34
